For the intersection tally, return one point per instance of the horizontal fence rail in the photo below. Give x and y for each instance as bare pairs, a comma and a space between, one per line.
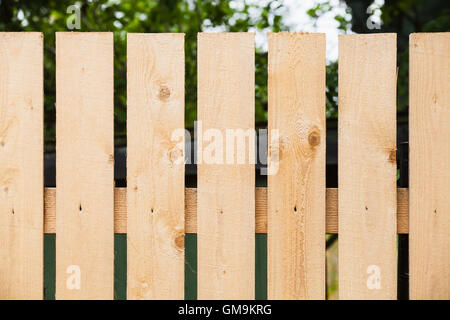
190, 211
226, 210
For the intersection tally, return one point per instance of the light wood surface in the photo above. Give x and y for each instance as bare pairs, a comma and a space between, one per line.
84, 166
190, 210
21, 165
226, 192
155, 166
296, 187
429, 169
367, 167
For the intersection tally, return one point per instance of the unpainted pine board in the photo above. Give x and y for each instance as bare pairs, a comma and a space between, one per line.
190, 210
429, 165
296, 180
367, 167
21, 165
84, 166
226, 191
155, 164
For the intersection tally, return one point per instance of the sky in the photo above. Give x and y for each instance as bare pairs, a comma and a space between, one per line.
298, 19
295, 16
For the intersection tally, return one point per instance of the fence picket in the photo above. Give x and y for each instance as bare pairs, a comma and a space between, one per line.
21, 165
429, 170
84, 166
296, 191
367, 166
155, 179
226, 192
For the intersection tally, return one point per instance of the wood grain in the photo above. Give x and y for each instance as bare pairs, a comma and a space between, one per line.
21, 165
190, 210
226, 192
155, 166
367, 167
296, 190
429, 169
84, 165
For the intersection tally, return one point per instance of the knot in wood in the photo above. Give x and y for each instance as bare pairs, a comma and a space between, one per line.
164, 93
393, 156
314, 139
179, 241
175, 155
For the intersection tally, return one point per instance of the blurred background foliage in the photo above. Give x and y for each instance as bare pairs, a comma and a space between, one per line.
193, 16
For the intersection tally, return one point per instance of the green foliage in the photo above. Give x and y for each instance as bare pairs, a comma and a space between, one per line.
402, 17
405, 17
122, 16
193, 16
332, 90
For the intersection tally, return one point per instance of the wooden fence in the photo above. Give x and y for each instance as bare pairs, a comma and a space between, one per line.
156, 210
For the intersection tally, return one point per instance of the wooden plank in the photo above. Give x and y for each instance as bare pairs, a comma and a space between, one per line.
296, 190
367, 167
84, 166
226, 192
190, 210
21, 165
429, 178
155, 164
